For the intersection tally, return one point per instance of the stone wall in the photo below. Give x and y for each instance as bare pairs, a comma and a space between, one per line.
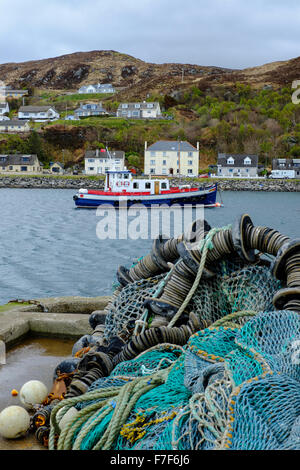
76, 183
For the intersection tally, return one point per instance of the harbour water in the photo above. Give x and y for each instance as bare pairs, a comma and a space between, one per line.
48, 248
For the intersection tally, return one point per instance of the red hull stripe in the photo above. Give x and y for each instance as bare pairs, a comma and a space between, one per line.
140, 193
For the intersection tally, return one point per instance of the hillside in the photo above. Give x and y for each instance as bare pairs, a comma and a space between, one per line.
135, 78
68, 72
236, 111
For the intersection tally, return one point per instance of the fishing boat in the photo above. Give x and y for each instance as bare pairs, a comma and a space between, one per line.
121, 186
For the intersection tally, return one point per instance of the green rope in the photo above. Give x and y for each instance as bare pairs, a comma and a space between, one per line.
204, 245
234, 316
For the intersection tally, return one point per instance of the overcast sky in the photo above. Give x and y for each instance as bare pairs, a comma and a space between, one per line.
227, 33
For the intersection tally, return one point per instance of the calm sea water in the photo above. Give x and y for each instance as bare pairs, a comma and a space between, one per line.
49, 248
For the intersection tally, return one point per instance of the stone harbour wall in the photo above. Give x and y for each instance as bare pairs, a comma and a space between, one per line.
85, 182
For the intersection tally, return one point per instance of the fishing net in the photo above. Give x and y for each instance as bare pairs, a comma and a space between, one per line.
234, 388
127, 306
235, 384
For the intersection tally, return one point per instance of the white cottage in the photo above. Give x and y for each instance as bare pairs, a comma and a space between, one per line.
38, 113
97, 162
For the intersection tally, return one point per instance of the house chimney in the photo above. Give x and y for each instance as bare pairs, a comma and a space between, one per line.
97, 153
146, 145
198, 146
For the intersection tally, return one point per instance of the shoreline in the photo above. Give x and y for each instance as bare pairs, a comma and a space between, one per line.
75, 183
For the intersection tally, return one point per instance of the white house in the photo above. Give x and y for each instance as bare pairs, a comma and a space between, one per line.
167, 157
236, 165
38, 113
4, 108
98, 88
97, 162
14, 126
142, 110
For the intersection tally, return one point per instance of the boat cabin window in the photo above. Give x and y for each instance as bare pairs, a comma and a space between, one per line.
126, 176
136, 185
147, 185
163, 185
120, 175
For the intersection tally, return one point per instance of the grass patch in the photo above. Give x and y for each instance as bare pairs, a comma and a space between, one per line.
11, 306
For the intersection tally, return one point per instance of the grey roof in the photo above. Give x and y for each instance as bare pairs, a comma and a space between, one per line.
14, 122
17, 160
111, 153
169, 145
238, 160
35, 109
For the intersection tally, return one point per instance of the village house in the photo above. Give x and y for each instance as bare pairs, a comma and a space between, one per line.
236, 165
57, 168
4, 108
99, 161
284, 166
90, 109
38, 113
15, 125
11, 93
142, 110
20, 164
98, 88
166, 157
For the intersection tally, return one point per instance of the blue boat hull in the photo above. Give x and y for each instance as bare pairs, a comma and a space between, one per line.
208, 199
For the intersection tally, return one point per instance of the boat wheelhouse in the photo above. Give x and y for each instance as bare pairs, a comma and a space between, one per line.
121, 186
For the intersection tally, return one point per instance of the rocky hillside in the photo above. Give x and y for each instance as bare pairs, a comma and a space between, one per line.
68, 72
135, 78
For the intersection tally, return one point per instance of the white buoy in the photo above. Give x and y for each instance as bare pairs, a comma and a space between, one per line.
14, 422
32, 393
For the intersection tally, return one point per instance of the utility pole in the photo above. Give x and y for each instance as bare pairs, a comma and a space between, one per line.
179, 157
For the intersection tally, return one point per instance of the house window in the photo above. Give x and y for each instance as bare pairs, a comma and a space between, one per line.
230, 170
190, 154
152, 162
230, 161
124, 106
247, 161
190, 171
164, 162
23, 168
91, 168
152, 170
11, 167
164, 154
190, 162
137, 106
135, 113
152, 153
164, 171
149, 105
91, 160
